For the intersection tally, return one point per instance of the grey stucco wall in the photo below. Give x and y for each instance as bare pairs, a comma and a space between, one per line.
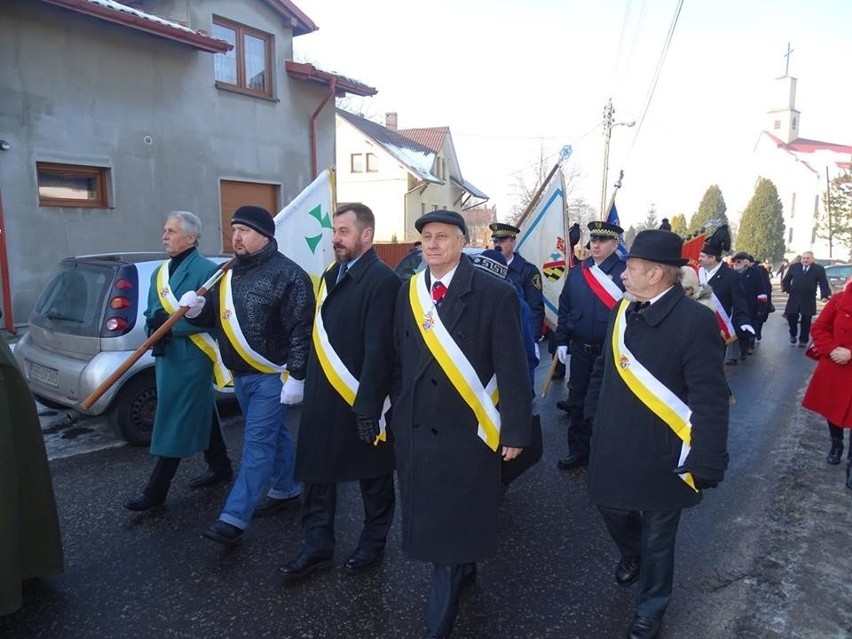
78, 90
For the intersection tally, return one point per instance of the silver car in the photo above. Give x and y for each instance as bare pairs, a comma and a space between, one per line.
88, 319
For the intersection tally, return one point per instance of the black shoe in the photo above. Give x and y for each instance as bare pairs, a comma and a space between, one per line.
303, 565
223, 533
644, 628
563, 404
362, 560
269, 505
833, 455
627, 571
792, 340
731, 362
143, 502
574, 460
211, 478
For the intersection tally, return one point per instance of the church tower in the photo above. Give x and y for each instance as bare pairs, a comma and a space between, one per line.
784, 118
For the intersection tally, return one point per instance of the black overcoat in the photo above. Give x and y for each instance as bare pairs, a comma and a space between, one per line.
449, 479
802, 287
755, 282
633, 452
358, 317
728, 287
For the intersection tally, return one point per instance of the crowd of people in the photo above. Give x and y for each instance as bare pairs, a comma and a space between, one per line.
429, 382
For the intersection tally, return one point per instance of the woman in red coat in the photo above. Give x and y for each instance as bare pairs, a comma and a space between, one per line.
830, 389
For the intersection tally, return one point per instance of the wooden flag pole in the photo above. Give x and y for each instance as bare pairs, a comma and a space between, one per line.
153, 339
549, 378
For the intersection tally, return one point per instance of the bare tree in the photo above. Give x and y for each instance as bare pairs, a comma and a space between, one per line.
528, 181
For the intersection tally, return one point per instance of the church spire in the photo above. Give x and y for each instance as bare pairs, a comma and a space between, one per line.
784, 118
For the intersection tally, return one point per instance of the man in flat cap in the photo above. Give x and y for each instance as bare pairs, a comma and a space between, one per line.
523, 274
262, 310
757, 292
591, 290
457, 336
659, 400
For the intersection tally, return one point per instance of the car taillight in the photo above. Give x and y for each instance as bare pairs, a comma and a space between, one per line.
123, 284
116, 324
119, 302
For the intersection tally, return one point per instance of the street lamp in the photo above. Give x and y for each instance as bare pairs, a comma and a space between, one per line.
608, 124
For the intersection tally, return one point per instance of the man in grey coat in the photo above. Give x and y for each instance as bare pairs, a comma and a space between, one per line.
661, 433
458, 343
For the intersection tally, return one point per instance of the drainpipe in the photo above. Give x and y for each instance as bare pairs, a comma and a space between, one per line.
332, 88
8, 319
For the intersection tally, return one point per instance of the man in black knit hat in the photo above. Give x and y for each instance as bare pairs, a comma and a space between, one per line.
262, 310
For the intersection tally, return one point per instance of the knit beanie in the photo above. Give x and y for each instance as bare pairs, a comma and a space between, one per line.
256, 218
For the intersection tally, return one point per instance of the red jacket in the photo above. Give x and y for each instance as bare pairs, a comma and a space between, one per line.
830, 389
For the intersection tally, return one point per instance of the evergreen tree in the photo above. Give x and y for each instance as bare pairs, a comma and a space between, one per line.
838, 202
711, 210
761, 231
629, 236
650, 221
679, 226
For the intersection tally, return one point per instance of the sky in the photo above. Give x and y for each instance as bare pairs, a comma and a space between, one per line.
515, 81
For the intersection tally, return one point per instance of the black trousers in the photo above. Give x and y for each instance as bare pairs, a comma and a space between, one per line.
579, 428
651, 536
836, 432
805, 333
443, 604
319, 504
164, 471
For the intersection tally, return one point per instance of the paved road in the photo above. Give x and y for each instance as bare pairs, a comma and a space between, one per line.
152, 575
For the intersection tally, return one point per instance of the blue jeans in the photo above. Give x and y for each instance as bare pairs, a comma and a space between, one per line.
268, 451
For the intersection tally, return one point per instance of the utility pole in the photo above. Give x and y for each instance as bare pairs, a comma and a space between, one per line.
608, 124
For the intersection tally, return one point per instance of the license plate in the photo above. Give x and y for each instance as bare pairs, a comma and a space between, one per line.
45, 375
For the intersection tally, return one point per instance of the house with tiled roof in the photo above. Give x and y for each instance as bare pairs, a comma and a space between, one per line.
114, 113
800, 168
400, 173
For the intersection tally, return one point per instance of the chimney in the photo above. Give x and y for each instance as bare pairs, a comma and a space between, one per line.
390, 120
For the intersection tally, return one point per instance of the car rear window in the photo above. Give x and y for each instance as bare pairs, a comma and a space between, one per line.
73, 300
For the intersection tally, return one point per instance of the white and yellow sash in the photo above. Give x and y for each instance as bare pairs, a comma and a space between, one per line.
481, 399
602, 285
231, 326
651, 391
221, 375
340, 377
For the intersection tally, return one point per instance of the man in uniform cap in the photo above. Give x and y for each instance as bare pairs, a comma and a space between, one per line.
455, 329
521, 273
590, 291
659, 400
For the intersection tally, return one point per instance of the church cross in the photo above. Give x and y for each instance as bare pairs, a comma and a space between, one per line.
787, 55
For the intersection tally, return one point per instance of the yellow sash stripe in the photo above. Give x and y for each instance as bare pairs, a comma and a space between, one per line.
467, 384
222, 377
234, 333
650, 391
340, 378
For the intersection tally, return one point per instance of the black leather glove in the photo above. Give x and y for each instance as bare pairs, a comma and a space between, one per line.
368, 429
700, 482
153, 323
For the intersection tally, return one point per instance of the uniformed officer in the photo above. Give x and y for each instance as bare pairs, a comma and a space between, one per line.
522, 273
591, 290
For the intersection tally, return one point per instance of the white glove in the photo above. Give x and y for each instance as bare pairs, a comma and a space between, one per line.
762, 297
292, 391
194, 302
562, 354
537, 352
747, 327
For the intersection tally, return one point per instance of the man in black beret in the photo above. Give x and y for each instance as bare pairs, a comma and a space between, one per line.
659, 401
457, 332
522, 273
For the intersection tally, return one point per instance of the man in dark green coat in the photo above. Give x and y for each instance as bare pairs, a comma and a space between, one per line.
30, 545
186, 420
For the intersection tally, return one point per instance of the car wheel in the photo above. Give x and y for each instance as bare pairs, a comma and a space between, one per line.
132, 411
